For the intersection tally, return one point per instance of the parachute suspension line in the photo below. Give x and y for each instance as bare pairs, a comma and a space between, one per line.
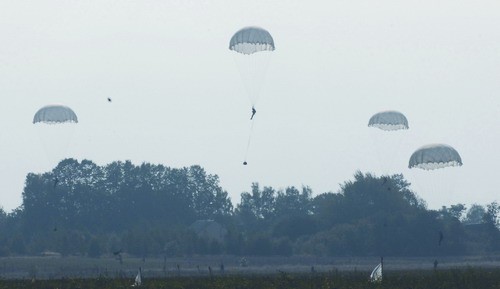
252, 46
248, 143
438, 158
252, 70
385, 130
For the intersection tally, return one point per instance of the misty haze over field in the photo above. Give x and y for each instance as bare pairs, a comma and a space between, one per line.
221, 139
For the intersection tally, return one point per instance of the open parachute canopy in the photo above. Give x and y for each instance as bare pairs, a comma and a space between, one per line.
250, 40
388, 121
54, 114
436, 156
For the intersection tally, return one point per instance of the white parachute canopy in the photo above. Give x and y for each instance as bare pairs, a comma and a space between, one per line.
250, 40
252, 47
138, 278
389, 121
435, 156
376, 275
55, 125
387, 146
54, 114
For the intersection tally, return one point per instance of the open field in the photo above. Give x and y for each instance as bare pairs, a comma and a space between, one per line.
198, 266
443, 279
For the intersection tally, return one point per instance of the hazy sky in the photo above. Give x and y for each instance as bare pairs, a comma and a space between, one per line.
178, 98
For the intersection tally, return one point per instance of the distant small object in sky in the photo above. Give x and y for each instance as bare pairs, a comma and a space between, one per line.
245, 163
253, 112
440, 238
109, 99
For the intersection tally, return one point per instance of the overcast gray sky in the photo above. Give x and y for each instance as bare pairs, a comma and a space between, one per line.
178, 98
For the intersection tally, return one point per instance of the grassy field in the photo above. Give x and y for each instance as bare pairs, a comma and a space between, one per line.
479, 272
441, 279
198, 266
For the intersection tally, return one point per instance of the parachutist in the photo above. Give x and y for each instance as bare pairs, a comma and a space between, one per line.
245, 163
253, 112
109, 99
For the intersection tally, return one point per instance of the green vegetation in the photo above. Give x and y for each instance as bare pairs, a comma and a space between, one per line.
82, 209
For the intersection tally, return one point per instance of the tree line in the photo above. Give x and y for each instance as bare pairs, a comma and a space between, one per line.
81, 208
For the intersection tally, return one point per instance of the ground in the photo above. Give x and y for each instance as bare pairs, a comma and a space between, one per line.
198, 266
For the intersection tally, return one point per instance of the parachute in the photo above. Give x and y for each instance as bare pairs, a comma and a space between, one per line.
388, 121
54, 114
252, 46
376, 275
435, 156
387, 146
435, 176
55, 126
250, 40
138, 278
